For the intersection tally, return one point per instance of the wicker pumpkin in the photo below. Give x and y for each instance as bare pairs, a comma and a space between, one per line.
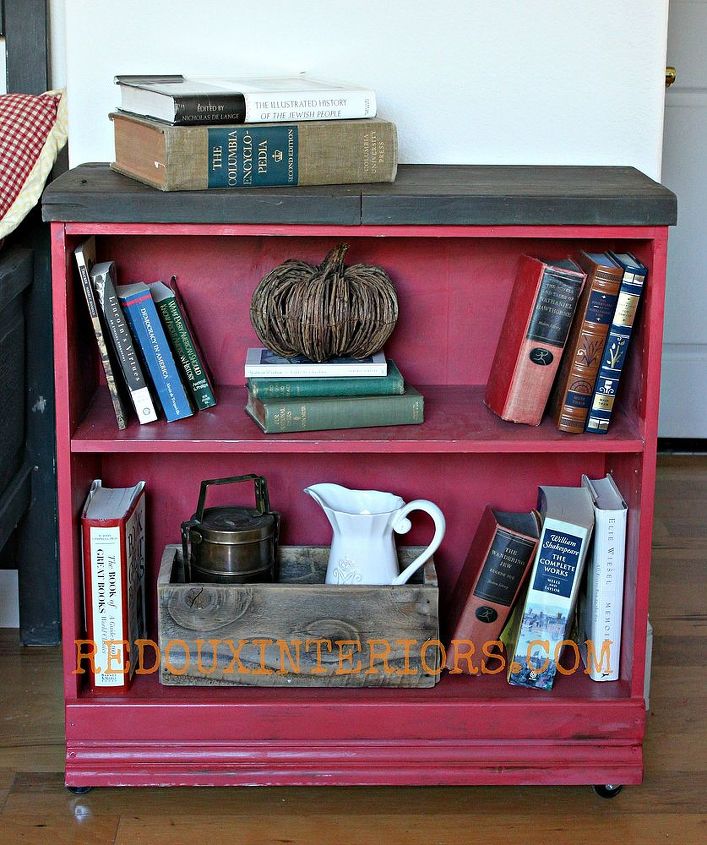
326, 311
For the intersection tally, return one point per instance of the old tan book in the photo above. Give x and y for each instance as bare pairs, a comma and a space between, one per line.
187, 158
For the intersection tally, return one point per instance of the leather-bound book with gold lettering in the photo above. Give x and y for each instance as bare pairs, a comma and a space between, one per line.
574, 387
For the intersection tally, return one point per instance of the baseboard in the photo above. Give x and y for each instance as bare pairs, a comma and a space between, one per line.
683, 404
682, 445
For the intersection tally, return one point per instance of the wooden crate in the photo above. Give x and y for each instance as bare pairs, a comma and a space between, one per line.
299, 631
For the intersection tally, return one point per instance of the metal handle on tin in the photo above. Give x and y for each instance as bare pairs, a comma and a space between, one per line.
262, 499
186, 547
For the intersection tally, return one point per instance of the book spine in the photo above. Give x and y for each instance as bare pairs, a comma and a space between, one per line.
314, 371
124, 347
585, 346
322, 414
285, 388
549, 604
309, 105
187, 355
485, 604
148, 332
614, 353
533, 335
295, 154
209, 108
134, 573
105, 589
118, 408
604, 595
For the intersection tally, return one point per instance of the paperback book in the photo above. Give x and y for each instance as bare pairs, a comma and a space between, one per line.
548, 610
113, 545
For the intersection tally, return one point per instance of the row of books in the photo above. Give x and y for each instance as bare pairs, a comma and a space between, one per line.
564, 340
176, 134
147, 346
294, 394
524, 578
520, 586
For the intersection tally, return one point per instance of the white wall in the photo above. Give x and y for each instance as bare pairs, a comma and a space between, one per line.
466, 81
57, 43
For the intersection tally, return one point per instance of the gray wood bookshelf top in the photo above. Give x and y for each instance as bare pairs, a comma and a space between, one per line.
491, 195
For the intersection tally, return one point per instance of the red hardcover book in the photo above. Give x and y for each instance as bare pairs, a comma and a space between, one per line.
533, 335
113, 544
493, 574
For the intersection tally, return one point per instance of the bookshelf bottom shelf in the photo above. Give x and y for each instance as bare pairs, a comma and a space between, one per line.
453, 734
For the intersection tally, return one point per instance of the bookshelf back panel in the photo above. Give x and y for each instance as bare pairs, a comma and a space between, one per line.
460, 484
452, 291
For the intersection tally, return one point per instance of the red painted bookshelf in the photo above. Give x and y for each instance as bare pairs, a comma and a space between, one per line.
450, 238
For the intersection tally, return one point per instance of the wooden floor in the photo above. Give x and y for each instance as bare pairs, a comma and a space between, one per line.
670, 807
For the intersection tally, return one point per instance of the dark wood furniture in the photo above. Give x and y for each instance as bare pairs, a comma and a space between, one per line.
28, 522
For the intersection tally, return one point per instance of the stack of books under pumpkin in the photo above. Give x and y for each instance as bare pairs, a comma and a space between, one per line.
181, 134
295, 394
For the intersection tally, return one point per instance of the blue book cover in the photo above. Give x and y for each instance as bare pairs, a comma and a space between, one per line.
141, 314
617, 343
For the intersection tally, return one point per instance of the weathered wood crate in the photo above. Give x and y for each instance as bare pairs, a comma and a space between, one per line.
299, 631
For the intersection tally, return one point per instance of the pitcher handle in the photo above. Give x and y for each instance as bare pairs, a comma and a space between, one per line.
402, 526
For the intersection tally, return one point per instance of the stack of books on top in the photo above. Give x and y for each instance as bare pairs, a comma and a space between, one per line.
180, 134
295, 394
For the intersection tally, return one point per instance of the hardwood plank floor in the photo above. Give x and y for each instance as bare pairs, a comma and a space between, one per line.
670, 806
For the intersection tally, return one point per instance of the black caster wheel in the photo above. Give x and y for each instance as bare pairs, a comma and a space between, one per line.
611, 790
79, 790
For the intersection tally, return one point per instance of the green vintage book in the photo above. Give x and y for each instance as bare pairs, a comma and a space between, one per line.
285, 388
184, 345
328, 412
191, 158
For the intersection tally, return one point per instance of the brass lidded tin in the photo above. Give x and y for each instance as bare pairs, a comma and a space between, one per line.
231, 544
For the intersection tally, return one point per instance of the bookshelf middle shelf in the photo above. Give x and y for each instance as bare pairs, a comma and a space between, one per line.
456, 422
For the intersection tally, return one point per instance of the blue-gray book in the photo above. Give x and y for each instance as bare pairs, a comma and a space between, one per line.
143, 319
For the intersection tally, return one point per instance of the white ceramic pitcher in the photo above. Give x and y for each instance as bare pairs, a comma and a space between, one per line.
363, 547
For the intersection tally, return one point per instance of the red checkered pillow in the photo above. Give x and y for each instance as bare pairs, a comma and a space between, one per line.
32, 131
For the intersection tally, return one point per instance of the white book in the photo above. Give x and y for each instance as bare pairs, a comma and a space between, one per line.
262, 363
601, 601
182, 100
553, 586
